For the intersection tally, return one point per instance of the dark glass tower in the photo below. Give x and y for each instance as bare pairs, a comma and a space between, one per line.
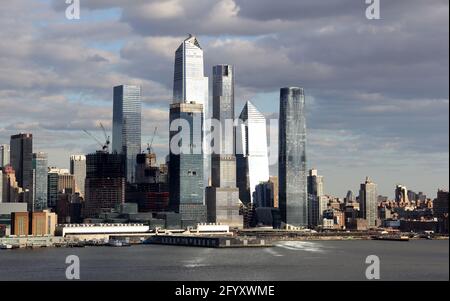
40, 177
127, 125
22, 162
293, 200
186, 162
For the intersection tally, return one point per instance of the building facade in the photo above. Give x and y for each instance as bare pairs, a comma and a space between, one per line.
251, 152
222, 196
40, 178
105, 183
368, 202
292, 173
4, 155
190, 85
186, 179
78, 170
59, 181
127, 109
315, 191
21, 158
11, 192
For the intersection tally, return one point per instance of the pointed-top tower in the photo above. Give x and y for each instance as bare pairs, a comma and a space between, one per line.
251, 152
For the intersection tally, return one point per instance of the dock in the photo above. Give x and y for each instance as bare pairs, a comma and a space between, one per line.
208, 241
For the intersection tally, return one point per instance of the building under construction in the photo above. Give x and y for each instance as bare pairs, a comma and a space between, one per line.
105, 183
151, 191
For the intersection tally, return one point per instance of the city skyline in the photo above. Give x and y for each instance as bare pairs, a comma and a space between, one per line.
386, 129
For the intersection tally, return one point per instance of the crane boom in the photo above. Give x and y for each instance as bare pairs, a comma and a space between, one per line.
93, 137
149, 145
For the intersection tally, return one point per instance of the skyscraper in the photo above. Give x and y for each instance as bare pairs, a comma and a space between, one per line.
4, 155
222, 196
22, 162
251, 152
40, 178
292, 158
105, 183
127, 125
315, 191
401, 194
59, 181
368, 202
186, 181
191, 86
223, 160
78, 170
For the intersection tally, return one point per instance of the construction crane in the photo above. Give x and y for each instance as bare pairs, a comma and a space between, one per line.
105, 145
149, 145
107, 138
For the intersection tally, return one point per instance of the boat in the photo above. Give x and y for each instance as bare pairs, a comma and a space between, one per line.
118, 243
391, 237
6, 246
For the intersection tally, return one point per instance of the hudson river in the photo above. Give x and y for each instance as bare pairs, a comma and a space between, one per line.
299, 260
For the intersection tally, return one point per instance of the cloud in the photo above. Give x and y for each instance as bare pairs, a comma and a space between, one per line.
377, 91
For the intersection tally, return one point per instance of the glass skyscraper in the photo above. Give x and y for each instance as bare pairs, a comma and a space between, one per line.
186, 163
191, 86
127, 125
40, 177
251, 152
292, 173
22, 161
222, 196
223, 160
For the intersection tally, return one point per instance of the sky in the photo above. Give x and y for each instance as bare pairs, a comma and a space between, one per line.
377, 95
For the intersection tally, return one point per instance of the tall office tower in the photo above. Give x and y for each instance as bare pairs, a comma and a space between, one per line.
22, 162
315, 191
401, 194
105, 183
52, 187
4, 155
251, 152
78, 170
191, 86
127, 126
292, 172
222, 196
40, 179
60, 181
186, 183
368, 202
